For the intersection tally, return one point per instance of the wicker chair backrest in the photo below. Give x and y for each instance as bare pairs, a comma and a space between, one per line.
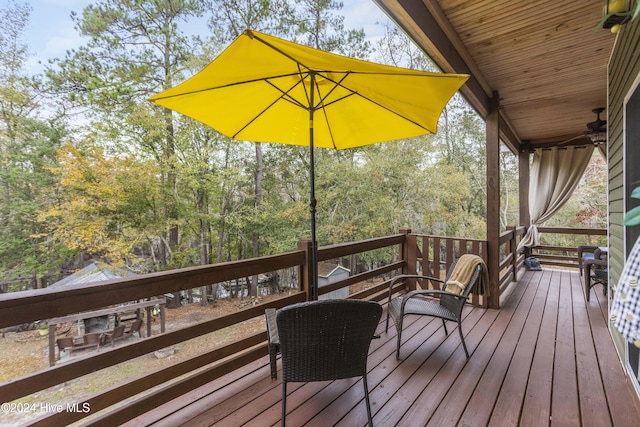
456, 304
326, 340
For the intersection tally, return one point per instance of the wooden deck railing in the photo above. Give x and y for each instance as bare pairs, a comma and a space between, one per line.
407, 253
153, 389
566, 256
434, 255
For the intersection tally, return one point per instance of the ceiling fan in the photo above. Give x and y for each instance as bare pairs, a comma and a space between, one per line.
597, 130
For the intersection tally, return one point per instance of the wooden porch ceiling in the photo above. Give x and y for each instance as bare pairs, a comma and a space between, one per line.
547, 66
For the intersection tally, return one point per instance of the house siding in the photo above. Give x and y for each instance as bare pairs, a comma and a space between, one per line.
623, 71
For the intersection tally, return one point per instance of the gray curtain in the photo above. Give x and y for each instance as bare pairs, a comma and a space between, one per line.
555, 174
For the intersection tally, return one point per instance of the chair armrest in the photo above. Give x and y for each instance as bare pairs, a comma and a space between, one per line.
596, 262
272, 326
594, 266
273, 343
428, 292
600, 254
409, 276
586, 248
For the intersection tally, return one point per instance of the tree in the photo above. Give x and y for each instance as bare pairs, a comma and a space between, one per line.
229, 19
318, 24
97, 211
394, 48
27, 147
135, 49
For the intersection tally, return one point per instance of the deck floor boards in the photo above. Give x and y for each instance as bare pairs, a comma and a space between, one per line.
544, 359
564, 395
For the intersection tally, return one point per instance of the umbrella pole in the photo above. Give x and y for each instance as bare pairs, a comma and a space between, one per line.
312, 209
312, 198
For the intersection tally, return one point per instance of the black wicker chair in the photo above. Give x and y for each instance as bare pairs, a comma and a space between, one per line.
596, 272
324, 340
585, 253
449, 306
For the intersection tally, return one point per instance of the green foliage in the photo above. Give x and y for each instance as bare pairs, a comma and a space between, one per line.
98, 212
230, 18
133, 184
27, 149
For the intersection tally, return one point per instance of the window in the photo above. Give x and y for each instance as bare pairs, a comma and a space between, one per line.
632, 180
632, 160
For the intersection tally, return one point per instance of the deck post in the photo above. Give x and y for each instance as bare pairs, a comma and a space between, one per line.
524, 174
409, 254
493, 200
405, 250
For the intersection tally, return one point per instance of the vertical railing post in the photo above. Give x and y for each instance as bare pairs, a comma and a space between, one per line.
493, 199
427, 260
409, 254
149, 314
514, 253
404, 250
435, 242
485, 255
305, 270
52, 344
449, 253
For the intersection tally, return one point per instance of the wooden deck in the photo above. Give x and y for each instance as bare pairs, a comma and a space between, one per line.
545, 358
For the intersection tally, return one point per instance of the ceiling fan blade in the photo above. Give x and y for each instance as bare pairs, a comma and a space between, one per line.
571, 139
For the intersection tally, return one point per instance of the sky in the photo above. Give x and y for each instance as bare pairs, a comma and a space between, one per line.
50, 32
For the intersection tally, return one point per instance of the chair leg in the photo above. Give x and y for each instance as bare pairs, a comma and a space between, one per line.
399, 328
386, 327
445, 327
366, 399
464, 345
284, 403
587, 284
580, 266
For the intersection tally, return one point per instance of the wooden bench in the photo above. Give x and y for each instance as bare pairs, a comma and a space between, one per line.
112, 336
71, 344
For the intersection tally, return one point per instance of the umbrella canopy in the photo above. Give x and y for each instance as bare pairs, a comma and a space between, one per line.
265, 89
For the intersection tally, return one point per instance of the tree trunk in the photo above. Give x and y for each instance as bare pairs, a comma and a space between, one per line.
259, 175
202, 237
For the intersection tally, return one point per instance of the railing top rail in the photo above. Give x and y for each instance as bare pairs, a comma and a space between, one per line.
343, 249
468, 239
561, 230
33, 305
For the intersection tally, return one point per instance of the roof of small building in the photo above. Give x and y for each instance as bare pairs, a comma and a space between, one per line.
326, 269
93, 273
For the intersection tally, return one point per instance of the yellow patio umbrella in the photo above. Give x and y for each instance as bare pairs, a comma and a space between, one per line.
265, 89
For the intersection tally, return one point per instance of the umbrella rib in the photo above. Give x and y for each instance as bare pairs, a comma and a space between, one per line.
243, 82
284, 95
335, 85
355, 92
402, 116
280, 51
